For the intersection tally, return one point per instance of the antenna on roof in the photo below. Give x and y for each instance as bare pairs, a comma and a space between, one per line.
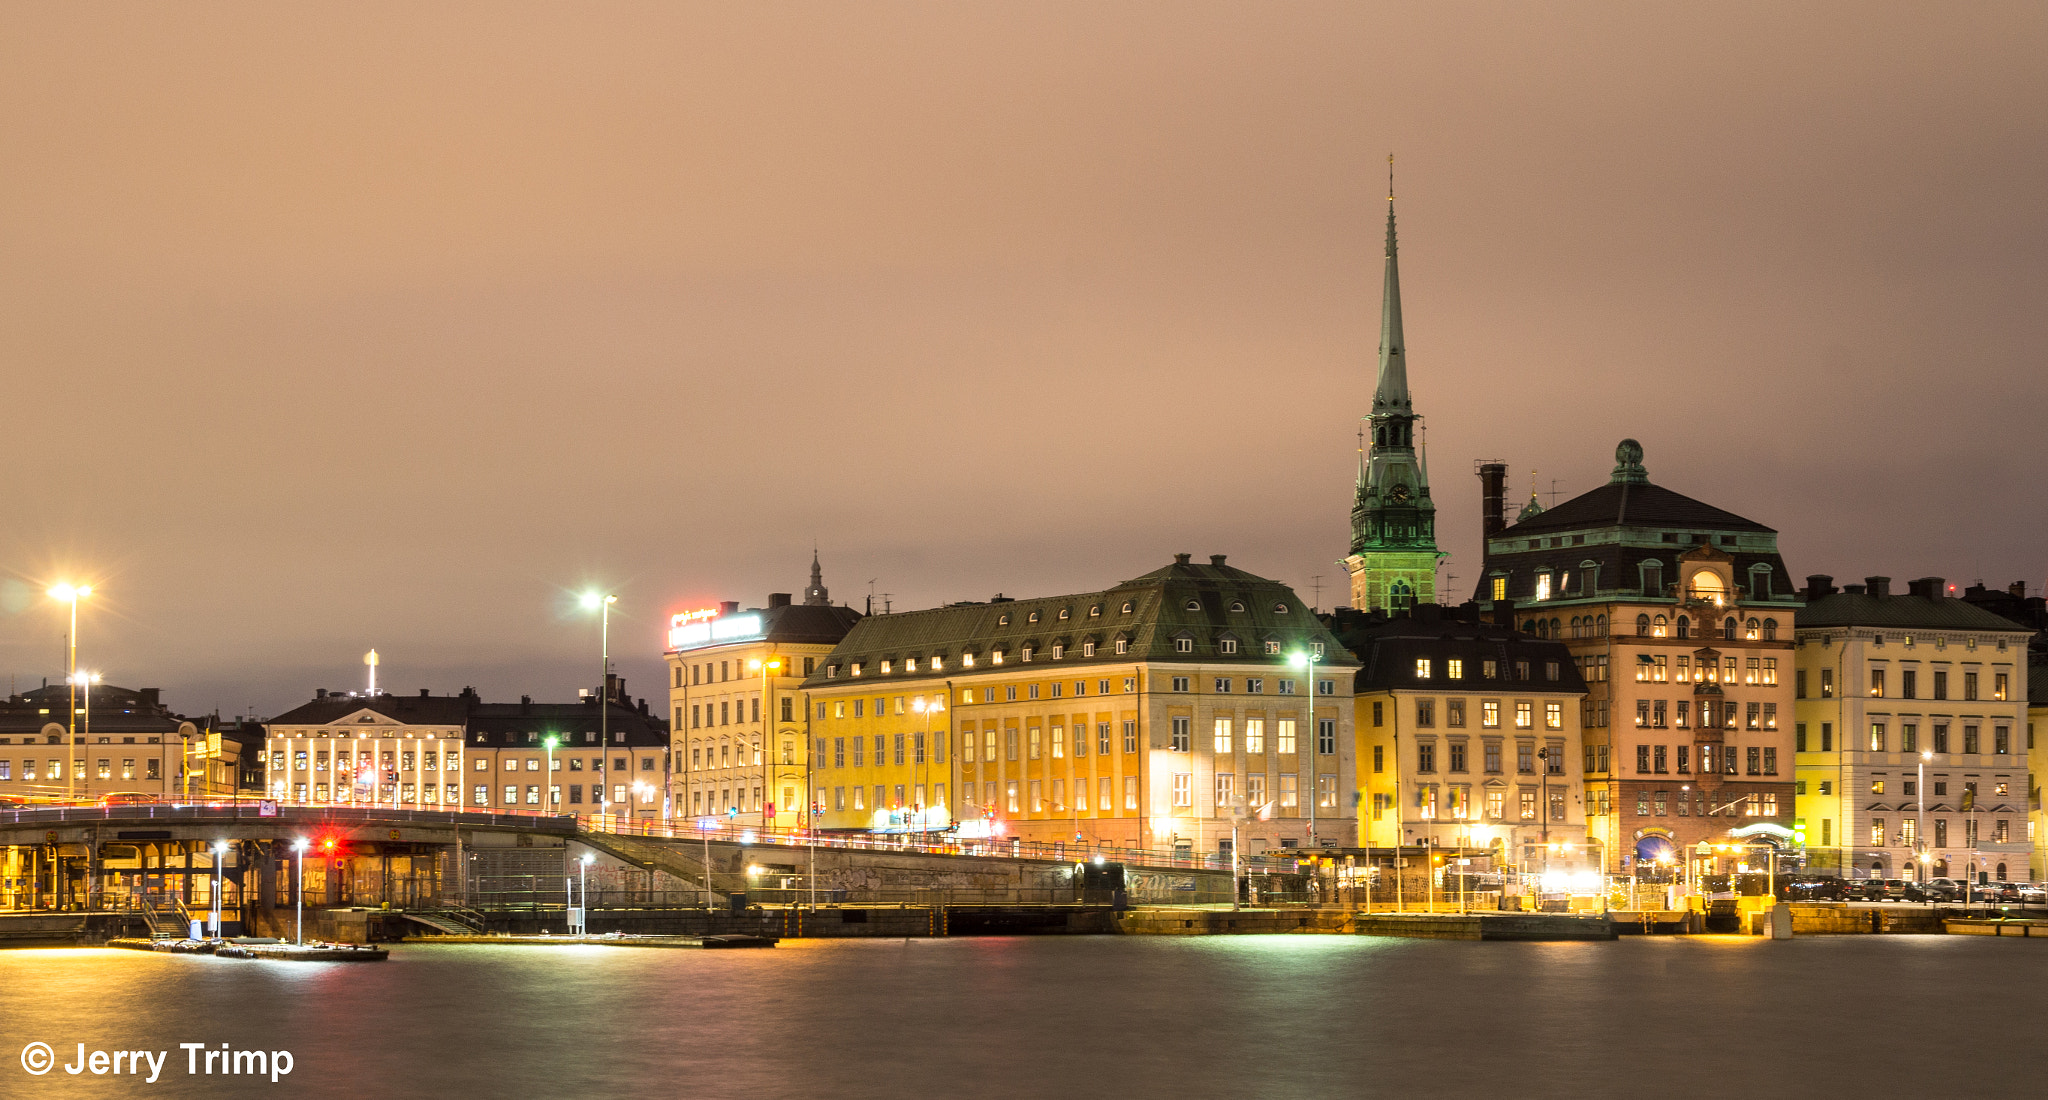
1553, 492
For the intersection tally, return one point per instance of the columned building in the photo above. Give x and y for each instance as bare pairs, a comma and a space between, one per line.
1468, 737
1680, 617
740, 733
459, 752
1899, 689
1393, 520
1148, 714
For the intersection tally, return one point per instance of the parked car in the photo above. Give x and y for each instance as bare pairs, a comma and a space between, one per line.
1815, 889
1999, 891
1943, 889
2033, 893
1898, 889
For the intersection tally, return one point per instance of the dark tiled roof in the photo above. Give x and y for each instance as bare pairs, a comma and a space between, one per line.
1159, 613
115, 710
2037, 685
1633, 505
1863, 609
1387, 650
413, 710
808, 624
504, 723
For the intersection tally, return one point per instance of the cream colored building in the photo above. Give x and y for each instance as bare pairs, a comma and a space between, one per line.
740, 736
1894, 690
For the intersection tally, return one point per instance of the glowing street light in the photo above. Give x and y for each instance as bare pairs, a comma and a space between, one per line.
71, 594
220, 852
299, 894
602, 603
1306, 660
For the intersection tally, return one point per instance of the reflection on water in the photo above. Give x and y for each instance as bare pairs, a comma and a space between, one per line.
1255, 1016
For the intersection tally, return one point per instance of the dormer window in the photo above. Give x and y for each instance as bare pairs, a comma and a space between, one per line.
1123, 646
1184, 644
1280, 608
1063, 614
1272, 647
1095, 612
909, 664
1237, 606
1194, 605
1059, 650
1087, 649
1032, 618
1024, 654
1128, 607
1003, 619
1227, 646
885, 668
831, 672
967, 660
1543, 585
938, 664
856, 668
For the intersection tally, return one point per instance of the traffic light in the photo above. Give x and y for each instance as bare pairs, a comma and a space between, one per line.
1799, 831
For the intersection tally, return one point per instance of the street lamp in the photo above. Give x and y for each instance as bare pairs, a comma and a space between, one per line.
603, 605
554, 799
937, 705
767, 730
583, 891
1306, 659
71, 594
299, 893
220, 852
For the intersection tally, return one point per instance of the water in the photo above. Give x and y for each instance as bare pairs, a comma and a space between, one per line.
990, 1019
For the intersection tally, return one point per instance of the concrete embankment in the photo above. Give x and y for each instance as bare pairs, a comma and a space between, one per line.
1992, 926
1433, 926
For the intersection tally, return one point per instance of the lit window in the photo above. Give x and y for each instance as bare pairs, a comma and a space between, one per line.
1422, 668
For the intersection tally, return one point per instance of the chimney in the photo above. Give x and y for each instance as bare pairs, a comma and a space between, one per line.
423, 693
2017, 590
1182, 559
1818, 585
318, 693
643, 706
1216, 559
1927, 588
778, 599
1493, 498
614, 687
1878, 586
729, 607
151, 696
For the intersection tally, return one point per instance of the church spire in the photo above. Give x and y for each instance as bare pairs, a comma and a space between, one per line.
1392, 394
815, 595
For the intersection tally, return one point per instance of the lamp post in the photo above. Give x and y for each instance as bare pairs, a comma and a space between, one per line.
602, 604
767, 731
936, 705
583, 892
71, 594
299, 891
550, 741
1306, 659
220, 852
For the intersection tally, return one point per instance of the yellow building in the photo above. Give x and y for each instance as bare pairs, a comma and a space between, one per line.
1145, 715
740, 737
1468, 736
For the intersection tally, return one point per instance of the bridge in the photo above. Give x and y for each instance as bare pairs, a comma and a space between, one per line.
455, 870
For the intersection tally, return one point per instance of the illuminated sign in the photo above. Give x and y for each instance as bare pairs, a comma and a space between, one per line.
691, 629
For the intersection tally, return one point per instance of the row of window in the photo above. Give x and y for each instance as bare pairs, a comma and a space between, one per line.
1526, 757
53, 770
1880, 837
1182, 734
1456, 804
734, 670
1909, 684
1659, 714
1694, 804
1489, 669
1658, 668
1227, 644
1757, 759
1999, 788
1750, 630
1489, 714
1909, 738
1181, 791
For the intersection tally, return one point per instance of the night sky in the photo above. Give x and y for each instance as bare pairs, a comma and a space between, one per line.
398, 325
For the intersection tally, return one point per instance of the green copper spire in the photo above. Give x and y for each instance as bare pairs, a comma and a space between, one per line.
1392, 394
1393, 521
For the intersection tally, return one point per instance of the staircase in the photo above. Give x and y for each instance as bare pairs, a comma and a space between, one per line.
448, 922
670, 859
166, 917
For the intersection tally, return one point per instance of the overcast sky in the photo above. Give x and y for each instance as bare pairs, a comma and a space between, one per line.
396, 325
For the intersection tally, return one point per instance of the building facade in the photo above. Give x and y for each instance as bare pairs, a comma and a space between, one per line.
1150, 714
1680, 619
459, 752
1393, 555
1895, 690
125, 742
741, 737
1468, 736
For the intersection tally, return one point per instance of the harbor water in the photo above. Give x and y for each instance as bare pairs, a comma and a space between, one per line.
1077, 1016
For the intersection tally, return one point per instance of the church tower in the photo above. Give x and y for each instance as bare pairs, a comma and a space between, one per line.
1393, 521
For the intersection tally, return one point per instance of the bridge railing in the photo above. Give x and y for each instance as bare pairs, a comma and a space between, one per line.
931, 843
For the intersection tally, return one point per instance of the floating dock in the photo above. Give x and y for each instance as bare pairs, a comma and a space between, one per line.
261, 949
708, 943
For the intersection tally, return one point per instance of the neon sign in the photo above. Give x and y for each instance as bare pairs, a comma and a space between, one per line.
691, 629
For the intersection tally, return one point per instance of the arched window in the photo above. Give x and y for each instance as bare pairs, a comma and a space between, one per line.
1600, 626
1127, 606
1653, 578
1770, 630
1280, 608
1684, 627
1759, 582
1528, 626
1728, 628
1752, 630
1194, 605
1660, 628
2001, 872
1400, 597
1642, 626
1556, 629
1575, 627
